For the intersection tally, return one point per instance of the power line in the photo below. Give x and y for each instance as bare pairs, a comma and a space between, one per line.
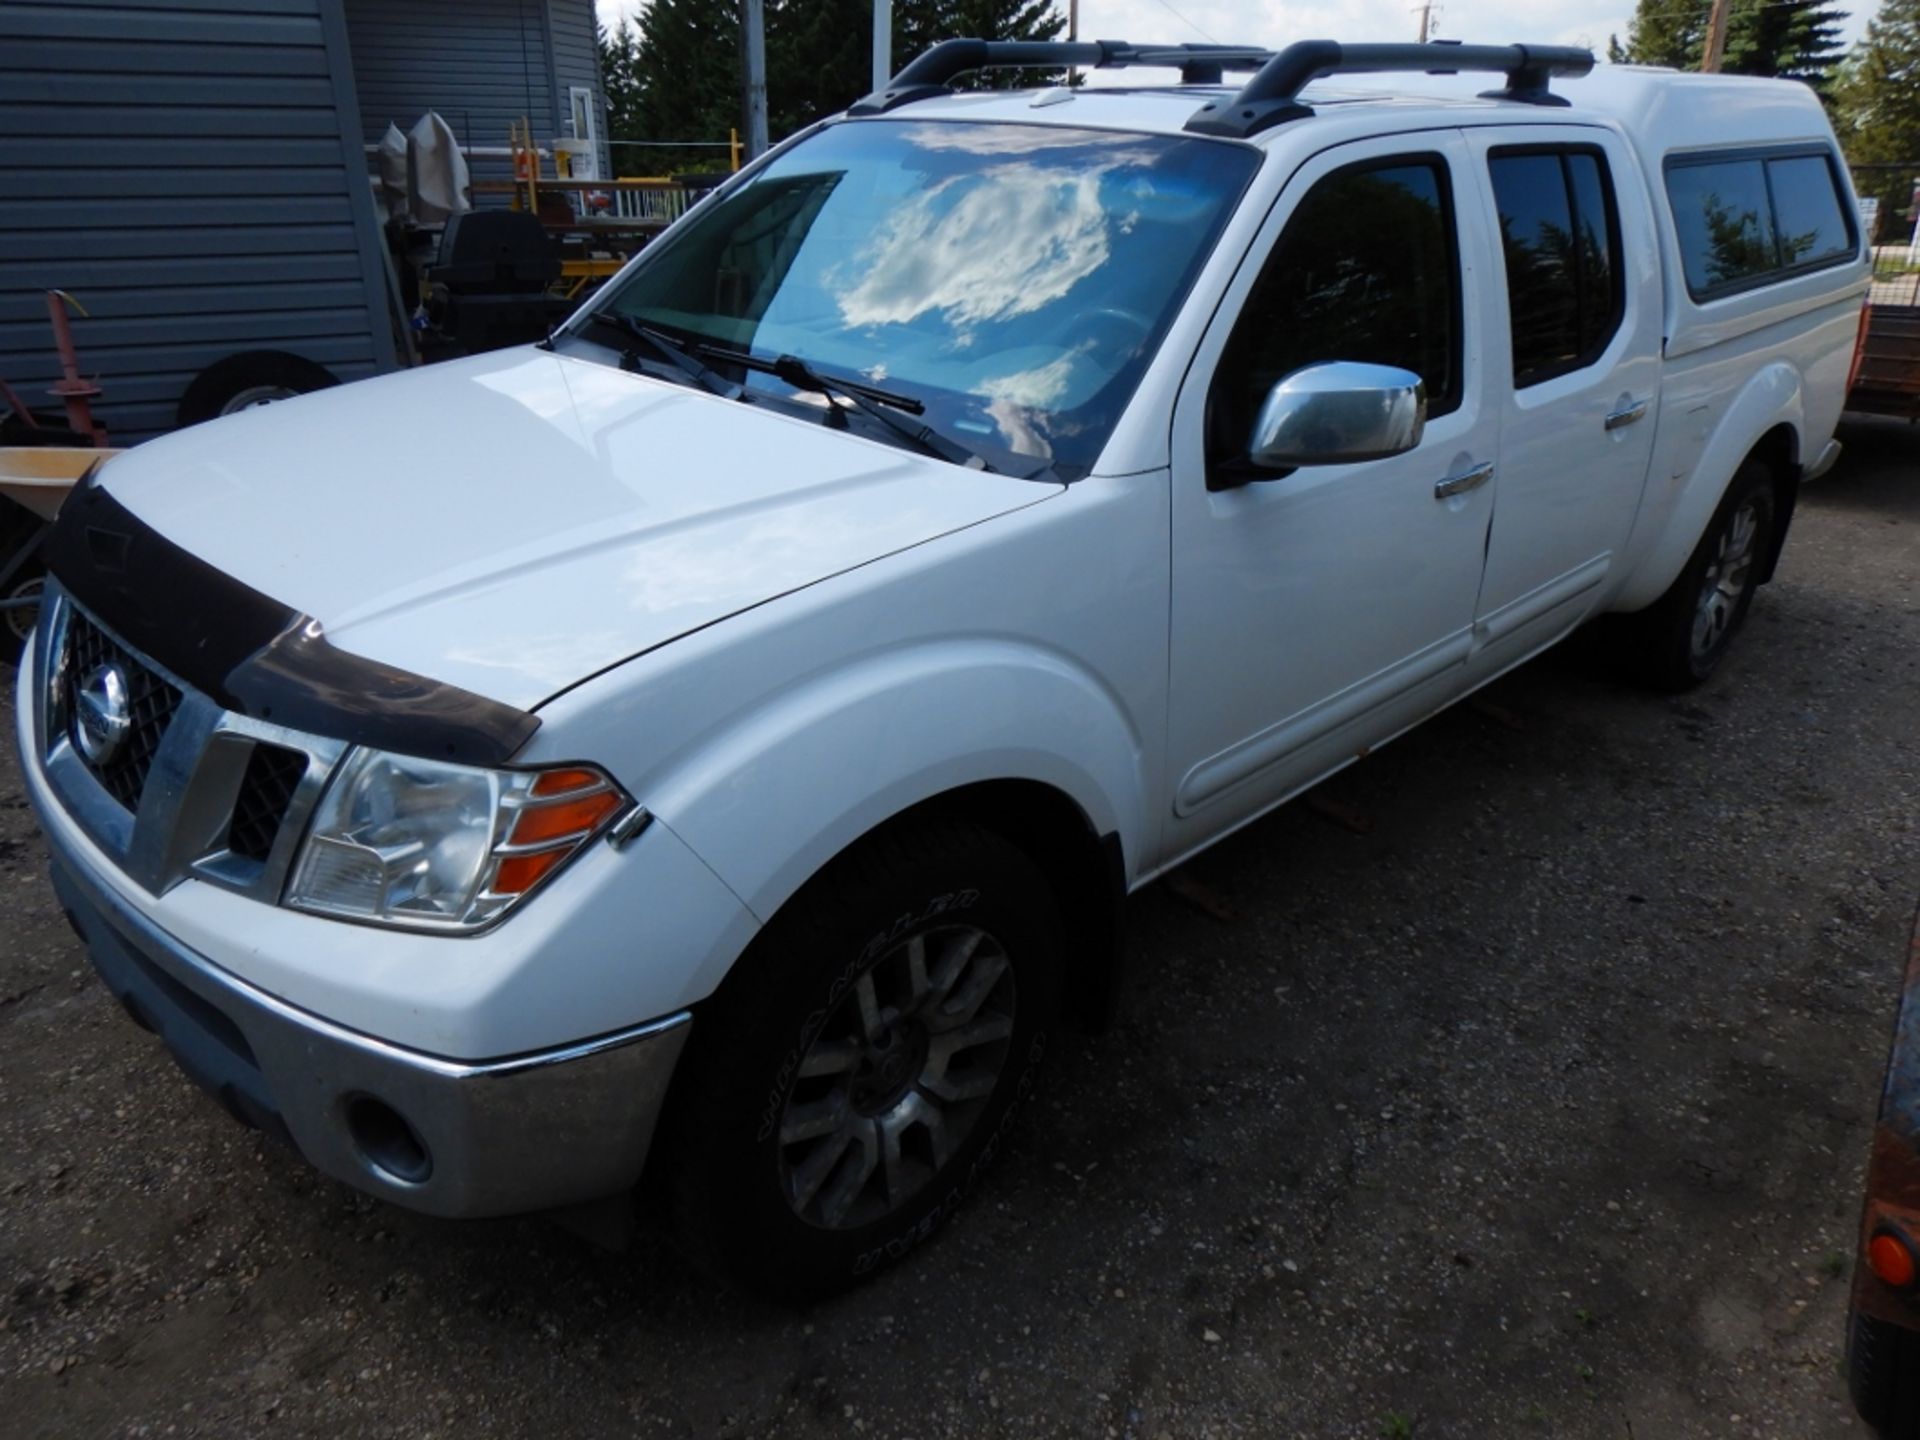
1184, 20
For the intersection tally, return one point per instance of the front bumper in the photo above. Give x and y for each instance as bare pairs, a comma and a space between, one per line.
454, 1138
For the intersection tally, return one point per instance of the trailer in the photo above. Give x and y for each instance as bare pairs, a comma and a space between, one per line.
1886, 375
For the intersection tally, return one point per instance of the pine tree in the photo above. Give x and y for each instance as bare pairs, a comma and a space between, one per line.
620, 79
1665, 32
819, 55
676, 75
819, 59
1003, 20
1877, 103
1794, 39
686, 80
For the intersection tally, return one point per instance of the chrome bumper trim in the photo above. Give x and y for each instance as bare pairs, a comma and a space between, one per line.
505, 1136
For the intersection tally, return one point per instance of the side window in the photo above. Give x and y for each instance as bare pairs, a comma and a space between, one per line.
1559, 235
1751, 219
1725, 222
1810, 223
1367, 269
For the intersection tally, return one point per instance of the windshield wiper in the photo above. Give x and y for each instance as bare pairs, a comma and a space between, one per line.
669, 350
869, 400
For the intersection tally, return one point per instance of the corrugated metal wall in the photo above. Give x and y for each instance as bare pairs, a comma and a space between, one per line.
576, 61
483, 64
191, 171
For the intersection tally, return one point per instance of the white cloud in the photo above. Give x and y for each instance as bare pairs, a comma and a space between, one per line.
1016, 238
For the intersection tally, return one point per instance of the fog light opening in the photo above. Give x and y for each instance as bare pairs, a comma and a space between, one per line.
386, 1142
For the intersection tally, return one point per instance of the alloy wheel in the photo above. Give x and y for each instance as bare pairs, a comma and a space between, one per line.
897, 1077
1726, 580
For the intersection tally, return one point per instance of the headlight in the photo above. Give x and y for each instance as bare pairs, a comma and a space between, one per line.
429, 846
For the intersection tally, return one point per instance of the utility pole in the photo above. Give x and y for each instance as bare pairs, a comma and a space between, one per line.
1716, 38
1073, 33
1426, 21
882, 44
753, 54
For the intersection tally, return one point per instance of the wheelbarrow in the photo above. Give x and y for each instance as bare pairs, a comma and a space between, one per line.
37, 475
36, 478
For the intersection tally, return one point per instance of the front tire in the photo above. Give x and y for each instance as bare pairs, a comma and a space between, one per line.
859, 1067
1679, 641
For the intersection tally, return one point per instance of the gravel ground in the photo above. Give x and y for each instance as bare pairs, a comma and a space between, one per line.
1538, 1108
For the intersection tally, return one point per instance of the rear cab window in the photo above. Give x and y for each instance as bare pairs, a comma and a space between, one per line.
1560, 241
1756, 217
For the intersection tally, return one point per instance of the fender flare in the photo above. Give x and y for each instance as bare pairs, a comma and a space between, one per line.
1773, 399
772, 797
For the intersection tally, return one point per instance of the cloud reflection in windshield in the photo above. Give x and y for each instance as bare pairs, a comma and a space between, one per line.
1003, 242
975, 267
1020, 403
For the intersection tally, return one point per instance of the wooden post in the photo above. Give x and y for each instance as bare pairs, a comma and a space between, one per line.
1716, 39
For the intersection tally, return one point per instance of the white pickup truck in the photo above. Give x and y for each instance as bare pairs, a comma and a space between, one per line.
729, 729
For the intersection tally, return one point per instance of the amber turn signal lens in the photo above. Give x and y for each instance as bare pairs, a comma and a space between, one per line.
520, 873
539, 823
1891, 1258
564, 782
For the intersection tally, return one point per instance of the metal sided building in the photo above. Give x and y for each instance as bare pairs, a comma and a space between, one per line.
194, 173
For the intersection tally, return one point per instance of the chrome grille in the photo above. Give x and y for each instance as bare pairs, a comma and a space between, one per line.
192, 790
152, 701
266, 790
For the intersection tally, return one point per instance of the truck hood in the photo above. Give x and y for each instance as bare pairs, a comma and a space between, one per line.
515, 522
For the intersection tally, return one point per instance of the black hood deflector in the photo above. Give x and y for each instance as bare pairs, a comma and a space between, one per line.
254, 655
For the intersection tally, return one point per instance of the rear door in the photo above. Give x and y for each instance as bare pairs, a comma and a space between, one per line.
1574, 368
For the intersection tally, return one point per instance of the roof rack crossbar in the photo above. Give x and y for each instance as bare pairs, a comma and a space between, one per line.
1271, 97
934, 70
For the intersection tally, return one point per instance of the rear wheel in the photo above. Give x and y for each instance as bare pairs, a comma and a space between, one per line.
1680, 640
858, 1069
1883, 1374
244, 381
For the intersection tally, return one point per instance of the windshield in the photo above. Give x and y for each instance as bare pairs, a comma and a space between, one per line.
1013, 279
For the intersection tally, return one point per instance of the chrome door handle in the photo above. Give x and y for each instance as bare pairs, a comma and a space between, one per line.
1626, 414
1469, 479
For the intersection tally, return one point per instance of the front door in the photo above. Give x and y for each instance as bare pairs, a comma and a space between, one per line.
1321, 610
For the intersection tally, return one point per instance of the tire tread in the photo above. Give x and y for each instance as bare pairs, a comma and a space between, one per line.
1883, 1374
715, 1078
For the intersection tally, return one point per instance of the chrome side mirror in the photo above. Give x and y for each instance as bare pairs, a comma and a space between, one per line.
1339, 411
